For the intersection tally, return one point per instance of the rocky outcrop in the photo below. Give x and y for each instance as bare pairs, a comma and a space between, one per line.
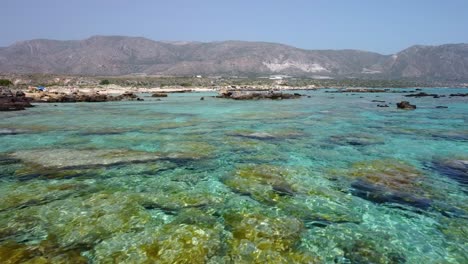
236, 95
57, 97
422, 94
405, 105
459, 94
363, 90
159, 95
13, 101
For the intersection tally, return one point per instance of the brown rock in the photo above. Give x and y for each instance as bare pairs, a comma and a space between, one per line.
405, 105
159, 95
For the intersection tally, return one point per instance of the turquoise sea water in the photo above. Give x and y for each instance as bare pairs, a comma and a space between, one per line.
327, 179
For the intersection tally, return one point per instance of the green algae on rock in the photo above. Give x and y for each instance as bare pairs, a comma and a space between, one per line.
362, 245
257, 238
265, 183
319, 211
389, 181
192, 237
86, 220
456, 231
21, 195
44, 253
184, 244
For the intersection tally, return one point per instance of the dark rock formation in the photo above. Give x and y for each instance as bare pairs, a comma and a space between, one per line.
382, 105
56, 97
405, 105
422, 94
159, 95
456, 170
362, 90
379, 194
459, 94
127, 96
356, 139
441, 106
257, 95
10, 101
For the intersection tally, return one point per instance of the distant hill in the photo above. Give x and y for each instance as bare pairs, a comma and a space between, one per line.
119, 55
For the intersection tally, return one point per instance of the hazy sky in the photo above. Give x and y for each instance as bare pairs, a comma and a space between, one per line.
384, 26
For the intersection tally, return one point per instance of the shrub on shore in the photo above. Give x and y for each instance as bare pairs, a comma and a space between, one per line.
5, 82
104, 82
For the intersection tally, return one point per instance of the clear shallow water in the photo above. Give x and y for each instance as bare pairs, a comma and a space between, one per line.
326, 179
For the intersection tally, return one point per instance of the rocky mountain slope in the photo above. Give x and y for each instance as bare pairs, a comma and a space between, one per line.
118, 55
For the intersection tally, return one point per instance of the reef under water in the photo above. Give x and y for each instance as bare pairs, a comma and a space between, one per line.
183, 180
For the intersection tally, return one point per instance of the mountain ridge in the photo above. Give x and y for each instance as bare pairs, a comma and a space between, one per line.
122, 55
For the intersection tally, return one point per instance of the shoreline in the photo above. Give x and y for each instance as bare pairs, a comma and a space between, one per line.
119, 90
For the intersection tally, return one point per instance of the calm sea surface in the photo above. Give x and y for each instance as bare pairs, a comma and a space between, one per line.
327, 179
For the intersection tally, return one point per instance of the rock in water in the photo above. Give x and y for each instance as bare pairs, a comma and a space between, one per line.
422, 94
236, 95
159, 95
10, 101
454, 169
405, 105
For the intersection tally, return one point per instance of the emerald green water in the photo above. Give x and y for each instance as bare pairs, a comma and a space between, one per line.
327, 179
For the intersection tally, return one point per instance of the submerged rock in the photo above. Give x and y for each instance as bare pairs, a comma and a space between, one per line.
386, 181
258, 238
267, 135
379, 194
92, 218
44, 253
23, 195
184, 244
318, 211
12, 131
405, 105
187, 239
264, 183
456, 230
82, 159
255, 135
356, 139
456, 169
366, 251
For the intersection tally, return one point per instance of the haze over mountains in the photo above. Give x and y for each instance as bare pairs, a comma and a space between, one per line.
119, 55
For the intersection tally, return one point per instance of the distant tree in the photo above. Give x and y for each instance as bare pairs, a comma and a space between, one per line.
185, 84
5, 82
104, 82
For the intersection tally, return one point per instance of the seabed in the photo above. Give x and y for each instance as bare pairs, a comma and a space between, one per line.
327, 179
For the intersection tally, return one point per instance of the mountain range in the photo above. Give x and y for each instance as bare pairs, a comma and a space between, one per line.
120, 55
